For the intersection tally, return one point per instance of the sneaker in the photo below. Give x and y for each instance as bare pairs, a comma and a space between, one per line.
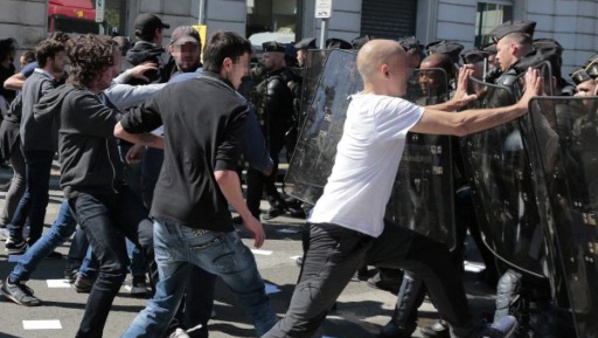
54, 255
83, 284
438, 330
20, 294
503, 328
70, 273
179, 333
15, 247
139, 286
295, 208
274, 212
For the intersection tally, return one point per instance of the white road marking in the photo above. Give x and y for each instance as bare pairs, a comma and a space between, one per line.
58, 283
51, 324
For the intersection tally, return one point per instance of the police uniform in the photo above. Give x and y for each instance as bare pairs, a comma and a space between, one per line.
274, 102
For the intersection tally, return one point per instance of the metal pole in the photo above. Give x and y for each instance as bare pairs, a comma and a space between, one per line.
201, 15
323, 33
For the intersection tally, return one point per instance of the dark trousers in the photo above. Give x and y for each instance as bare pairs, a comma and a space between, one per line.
334, 255
33, 204
107, 218
258, 184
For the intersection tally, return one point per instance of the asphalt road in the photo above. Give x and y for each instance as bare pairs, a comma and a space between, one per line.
361, 310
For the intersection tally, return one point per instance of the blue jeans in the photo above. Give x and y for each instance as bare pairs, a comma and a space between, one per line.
138, 266
106, 218
35, 200
220, 253
89, 266
62, 229
78, 249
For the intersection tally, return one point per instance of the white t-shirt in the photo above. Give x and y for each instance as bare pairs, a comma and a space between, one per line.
366, 163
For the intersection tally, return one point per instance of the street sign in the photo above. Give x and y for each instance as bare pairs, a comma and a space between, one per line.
323, 9
100, 9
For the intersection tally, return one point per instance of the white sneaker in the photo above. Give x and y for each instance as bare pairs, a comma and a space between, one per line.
179, 333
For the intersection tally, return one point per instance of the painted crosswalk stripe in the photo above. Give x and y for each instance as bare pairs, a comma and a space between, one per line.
288, 231
295, 257
261, 252
58, 283
51, 324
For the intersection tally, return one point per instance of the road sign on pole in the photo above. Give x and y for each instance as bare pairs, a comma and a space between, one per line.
100, 9
323, 9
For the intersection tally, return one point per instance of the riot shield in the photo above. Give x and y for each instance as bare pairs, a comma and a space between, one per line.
569, 162
314, 65
422, 195
325, 104
503, 184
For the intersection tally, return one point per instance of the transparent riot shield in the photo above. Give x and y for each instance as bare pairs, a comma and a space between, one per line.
324, 119
314, 65
566, 132
422, 196
502, 180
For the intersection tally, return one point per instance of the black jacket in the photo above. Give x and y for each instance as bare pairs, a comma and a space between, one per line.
144, 51
274, 102
86, 144
204, 122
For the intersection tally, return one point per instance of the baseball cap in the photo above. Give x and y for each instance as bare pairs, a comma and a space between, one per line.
147, 22
184, 34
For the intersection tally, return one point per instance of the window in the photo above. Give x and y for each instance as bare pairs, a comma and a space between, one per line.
488, 16
271, 20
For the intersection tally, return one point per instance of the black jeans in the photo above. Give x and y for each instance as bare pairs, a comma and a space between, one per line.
335, 253
258, 184
107, 218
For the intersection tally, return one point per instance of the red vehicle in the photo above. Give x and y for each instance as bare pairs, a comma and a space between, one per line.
72, 16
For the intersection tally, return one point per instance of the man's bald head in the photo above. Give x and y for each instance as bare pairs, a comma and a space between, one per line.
375, 53
383, 67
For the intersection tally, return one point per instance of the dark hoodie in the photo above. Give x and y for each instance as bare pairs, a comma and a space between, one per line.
144, 51
86, 144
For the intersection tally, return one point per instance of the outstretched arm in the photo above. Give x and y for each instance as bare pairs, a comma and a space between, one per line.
475, 120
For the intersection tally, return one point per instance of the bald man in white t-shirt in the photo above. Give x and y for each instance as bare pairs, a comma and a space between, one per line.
346, 224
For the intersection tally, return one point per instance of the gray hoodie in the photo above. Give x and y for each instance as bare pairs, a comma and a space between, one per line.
37, 136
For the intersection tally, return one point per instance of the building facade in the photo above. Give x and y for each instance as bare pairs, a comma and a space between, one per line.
573, 23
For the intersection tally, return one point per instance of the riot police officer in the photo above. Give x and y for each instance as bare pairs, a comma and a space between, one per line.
274, 102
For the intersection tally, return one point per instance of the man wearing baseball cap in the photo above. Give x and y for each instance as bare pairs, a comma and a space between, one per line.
185, 47
149, 31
